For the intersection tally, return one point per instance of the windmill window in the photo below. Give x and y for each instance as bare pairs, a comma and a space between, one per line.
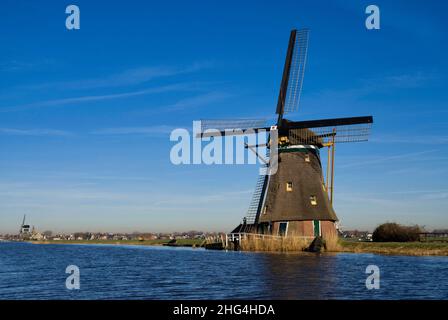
307, 158
289, 186
313, 200
265, 209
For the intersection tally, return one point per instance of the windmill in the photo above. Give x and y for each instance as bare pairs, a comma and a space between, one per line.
296, 200
24, 228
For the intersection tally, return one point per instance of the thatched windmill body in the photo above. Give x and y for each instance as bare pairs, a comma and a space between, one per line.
296, 200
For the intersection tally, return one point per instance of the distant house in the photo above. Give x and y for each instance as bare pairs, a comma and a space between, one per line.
37, 236
358, 235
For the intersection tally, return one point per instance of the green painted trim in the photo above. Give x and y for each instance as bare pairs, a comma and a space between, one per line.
304, 150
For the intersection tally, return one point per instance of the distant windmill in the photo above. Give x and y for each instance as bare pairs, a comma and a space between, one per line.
24, 228
23, 223
296, 200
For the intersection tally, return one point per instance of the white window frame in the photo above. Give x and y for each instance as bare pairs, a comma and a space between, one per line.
286, 230
320, 227
265, 209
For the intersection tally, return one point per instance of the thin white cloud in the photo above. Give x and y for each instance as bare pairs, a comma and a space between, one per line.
70, 176
34, 132
191, 199
397, 138
20, 65
401, 81
371, 86
154, 130
125, 78
206, 99
197, 101
47, 195
370, 161
93, 98
422, 192
424, 171
435, 196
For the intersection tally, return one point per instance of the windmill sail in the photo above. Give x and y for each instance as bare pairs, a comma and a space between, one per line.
296, 71
257, 200
320, 132
258, 196
323, 135
221, 127
293, 72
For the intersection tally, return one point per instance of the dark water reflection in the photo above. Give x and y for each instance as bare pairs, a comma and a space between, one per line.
136, 272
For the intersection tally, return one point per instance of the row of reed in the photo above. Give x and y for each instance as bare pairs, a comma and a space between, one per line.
255, 242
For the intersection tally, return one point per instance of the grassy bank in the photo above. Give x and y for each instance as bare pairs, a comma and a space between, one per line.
396, 248
257, 243
157, 242
390, 248
333, 244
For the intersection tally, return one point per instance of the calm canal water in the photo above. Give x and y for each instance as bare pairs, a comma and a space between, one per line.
30, 271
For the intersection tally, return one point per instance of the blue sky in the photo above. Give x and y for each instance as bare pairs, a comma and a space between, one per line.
85, 115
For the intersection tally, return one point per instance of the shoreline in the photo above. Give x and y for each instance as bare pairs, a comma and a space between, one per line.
193, 243
382, 248
396, 248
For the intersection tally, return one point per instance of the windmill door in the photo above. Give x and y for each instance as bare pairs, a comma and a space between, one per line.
316, 224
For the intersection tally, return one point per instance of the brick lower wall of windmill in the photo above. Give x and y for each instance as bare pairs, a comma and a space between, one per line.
307, 228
